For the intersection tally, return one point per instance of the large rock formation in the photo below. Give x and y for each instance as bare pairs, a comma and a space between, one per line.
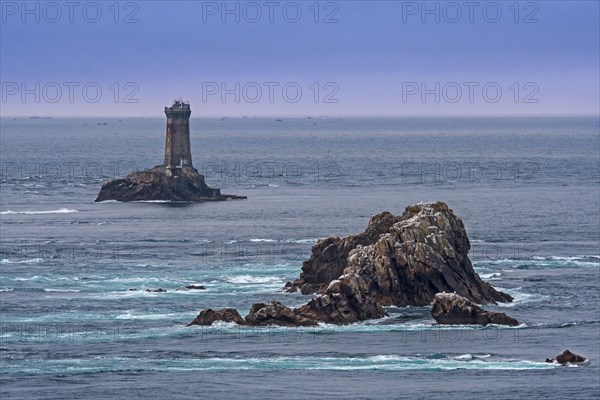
450, 308
161, 183
398, 260
403, 260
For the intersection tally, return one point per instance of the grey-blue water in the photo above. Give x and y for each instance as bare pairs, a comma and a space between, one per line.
528, 190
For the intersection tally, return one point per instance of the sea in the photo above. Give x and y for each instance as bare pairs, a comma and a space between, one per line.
78, 322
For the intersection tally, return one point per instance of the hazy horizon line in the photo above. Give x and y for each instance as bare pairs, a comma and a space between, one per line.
313, 116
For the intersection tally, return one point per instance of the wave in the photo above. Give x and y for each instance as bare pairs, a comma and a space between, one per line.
468, 356
383, 362
31, 260
311, 240
34, 290
520, 297
130, 315
248, 279
43, 278
563, 258
369, 326
537, 262
28, 278
491, 276
573, 323
263, 240
59, 211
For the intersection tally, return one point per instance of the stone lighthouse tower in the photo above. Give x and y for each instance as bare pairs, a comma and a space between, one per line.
175, 179
177, 146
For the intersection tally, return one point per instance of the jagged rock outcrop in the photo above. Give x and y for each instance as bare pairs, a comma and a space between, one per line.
452, 309
345, 301
161, 183
398, 260
208, 316
567, 357
403, 260
329, 255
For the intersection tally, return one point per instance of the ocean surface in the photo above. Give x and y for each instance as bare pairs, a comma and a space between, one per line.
527, 189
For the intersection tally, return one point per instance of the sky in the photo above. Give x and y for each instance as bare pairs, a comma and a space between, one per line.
300, 58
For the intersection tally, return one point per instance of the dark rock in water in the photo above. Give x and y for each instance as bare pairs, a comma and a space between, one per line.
208, 316
450, 308
275, 313
345, 301
159, 290
567, 357
403, 260
162, 183
194, 287
133, 290
342, 303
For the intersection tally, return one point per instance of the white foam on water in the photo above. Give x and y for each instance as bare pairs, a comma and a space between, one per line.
130, 315
59, 211
155, 201
384, 362
249, 279
520, 297
491, 276
31, 260
29, 278
310, 240
465, 357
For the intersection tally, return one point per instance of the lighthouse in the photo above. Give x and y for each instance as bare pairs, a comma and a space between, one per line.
173, 180
177, 145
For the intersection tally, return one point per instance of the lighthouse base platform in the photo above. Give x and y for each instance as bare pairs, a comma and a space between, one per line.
162, 183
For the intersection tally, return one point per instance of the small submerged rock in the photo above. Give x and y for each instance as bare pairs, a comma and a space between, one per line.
159, 290
208, 316
567, 358
452, 309
192, 287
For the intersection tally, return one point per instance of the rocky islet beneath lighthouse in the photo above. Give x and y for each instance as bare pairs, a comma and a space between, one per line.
176, 179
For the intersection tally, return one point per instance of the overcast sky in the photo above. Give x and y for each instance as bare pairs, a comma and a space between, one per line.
292, 58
